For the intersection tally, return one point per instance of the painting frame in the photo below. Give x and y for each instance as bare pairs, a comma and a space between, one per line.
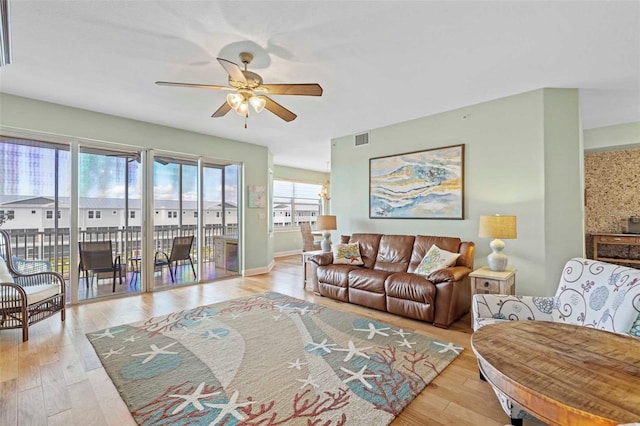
426, 184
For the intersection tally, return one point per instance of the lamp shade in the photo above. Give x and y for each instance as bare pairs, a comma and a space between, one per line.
502, 227
326, 223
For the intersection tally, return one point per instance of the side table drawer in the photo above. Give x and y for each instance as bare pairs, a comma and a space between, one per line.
486, 285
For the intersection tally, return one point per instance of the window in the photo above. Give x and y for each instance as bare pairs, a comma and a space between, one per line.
114, 212
94, 214
132, 214
11, 214
33, 212
90, 214
195, 214
49, 214
295, 202
169, 215
98, 214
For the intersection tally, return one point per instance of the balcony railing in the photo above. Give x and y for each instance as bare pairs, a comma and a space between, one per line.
54, 247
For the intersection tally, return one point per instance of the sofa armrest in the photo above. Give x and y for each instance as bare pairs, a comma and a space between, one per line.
454, 273
322, 259
506, 307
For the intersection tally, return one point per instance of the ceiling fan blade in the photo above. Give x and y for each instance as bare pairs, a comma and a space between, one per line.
224, 108
311, 89
234, 71
278, 109
196, 86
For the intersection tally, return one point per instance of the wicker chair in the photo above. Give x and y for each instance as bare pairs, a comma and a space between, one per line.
308, 242
26, 298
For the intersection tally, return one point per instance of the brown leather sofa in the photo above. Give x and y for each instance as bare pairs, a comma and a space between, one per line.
386, 280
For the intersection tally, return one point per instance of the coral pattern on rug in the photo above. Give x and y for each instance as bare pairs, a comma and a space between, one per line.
268, 359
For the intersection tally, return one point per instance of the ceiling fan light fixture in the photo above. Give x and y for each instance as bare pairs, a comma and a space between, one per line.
235, 100
257, 103
243, 109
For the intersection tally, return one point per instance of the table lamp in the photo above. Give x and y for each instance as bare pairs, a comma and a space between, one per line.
326, 223
497, 227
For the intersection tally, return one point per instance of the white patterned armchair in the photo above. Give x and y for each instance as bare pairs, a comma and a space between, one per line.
591, 293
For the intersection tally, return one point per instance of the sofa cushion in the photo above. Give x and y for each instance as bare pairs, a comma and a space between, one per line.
408, 286
436, 259
347, 254
597, 294
337, 275
369, 244
368, 280
423, 243
5, 275
394, 253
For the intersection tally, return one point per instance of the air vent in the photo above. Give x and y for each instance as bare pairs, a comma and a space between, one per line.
362, 139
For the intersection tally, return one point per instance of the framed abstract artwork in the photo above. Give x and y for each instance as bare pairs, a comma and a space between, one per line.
418, 185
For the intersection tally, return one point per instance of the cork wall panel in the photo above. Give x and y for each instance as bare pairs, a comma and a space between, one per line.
612, 193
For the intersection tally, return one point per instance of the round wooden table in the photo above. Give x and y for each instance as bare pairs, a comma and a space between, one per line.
563, 374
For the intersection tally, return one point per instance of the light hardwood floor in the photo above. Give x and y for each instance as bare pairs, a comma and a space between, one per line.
56, 378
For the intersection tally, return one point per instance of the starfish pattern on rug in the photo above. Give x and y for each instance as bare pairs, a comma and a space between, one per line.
373, 330
308, 381
448, 347
406, 343
400, 332
281, 308
155, 351
193, 398
106, 333
303, 310
297, 365
353, 351
199, 380
113, 352
322, 345
359, 376
215, 334
230, 407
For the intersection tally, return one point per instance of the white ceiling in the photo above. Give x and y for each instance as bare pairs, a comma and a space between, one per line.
379, 62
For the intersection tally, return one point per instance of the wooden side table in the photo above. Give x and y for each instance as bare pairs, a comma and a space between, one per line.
305, 260
486, 281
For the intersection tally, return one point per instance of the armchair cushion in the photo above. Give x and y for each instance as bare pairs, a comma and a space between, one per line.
504, 307
5, 275
598, 294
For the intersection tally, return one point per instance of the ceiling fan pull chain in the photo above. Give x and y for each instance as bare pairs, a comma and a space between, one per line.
245, 120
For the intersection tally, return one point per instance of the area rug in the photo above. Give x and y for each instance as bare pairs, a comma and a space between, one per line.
268, 359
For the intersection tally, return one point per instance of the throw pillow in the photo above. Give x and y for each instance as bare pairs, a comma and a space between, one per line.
5, 275
347, 254
436, 259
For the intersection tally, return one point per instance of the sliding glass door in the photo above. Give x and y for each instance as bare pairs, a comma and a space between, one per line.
109, 222
34, 203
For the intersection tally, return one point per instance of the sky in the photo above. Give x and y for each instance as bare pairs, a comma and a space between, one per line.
30, 171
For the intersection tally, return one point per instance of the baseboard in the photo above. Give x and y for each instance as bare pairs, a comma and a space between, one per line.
260, 271
287, 253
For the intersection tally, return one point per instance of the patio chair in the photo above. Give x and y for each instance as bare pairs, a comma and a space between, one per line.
97, 257
308, 241
26, 298
180, 250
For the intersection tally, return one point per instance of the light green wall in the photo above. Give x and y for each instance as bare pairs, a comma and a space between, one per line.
287, 241
47, 118
621, 136
510, 168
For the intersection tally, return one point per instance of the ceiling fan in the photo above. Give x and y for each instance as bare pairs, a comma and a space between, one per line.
249, 89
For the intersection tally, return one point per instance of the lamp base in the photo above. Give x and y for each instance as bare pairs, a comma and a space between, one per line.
325, 244
497, 260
